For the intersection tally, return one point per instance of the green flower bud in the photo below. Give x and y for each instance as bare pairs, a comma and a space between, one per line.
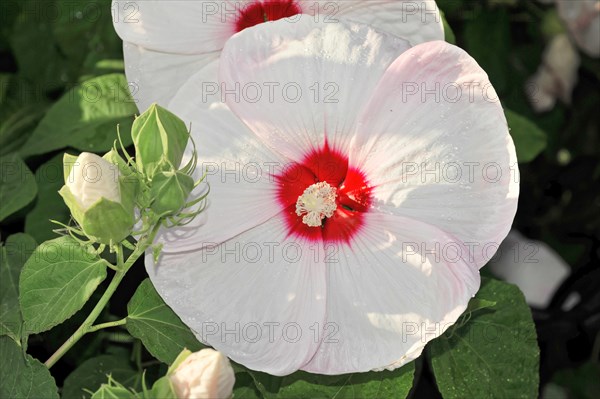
160, 139
169, 192
101, 198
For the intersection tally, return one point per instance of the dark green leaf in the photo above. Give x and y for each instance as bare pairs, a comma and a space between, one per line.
32, 41
394, 384
157, 326
13, 255
582, 382
22, 376
49, 205
244, 387
486, 28
529, 139
17, 185
56, 282
86, 118
494, 354
21, 108
93, 373
84, 33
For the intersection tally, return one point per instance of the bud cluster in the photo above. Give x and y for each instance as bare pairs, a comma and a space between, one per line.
103, 193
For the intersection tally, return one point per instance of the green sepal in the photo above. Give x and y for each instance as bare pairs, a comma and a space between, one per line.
129, 180
163, 388
71, 203
108, 392
108, 222
169, 192
178, 360
113, 157
68, 163
160, 138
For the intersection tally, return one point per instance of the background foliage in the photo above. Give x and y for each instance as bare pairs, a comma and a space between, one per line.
62, 88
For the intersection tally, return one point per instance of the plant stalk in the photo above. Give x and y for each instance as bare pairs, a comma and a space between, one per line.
87, 326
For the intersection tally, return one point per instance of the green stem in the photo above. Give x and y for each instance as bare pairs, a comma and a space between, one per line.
107, 325
122, 268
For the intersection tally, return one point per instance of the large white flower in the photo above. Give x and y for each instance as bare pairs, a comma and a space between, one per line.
166, 41
344, 230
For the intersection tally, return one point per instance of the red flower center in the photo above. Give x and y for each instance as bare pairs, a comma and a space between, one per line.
266, 10
353, 195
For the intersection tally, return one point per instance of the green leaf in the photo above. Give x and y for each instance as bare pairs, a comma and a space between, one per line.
17, 185
244, 387
49, 205
529, 139
394, 384
13, 255
494, 355
86, 118
21, 108
56, 282
84, 33
93, 373
34, 47
448, 33
157, 326
490, 26
581, 382
22, 376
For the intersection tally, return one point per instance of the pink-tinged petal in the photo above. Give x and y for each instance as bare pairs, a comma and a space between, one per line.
256, 298
400, 284
435, 146
155, 77
340, 65
415, 21
583, 21
183, 27
240, 171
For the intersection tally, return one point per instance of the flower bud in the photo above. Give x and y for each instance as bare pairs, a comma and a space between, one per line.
203, 374
100, 198
160, 139
170, 191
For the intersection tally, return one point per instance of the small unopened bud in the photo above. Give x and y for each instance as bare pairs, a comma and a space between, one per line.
170, 191
160, 138
203, 374
92, 178
99, 197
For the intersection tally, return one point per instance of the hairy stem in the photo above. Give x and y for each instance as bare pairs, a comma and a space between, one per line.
87, 326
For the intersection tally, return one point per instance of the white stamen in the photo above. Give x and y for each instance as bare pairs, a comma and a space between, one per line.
318, 202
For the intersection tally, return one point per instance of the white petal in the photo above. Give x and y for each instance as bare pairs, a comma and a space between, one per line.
437, 154
531, 265
583, 21
239, 170
254, 298
556, 76
155, 77
321, 76
184, 27
400, 284
415, 21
